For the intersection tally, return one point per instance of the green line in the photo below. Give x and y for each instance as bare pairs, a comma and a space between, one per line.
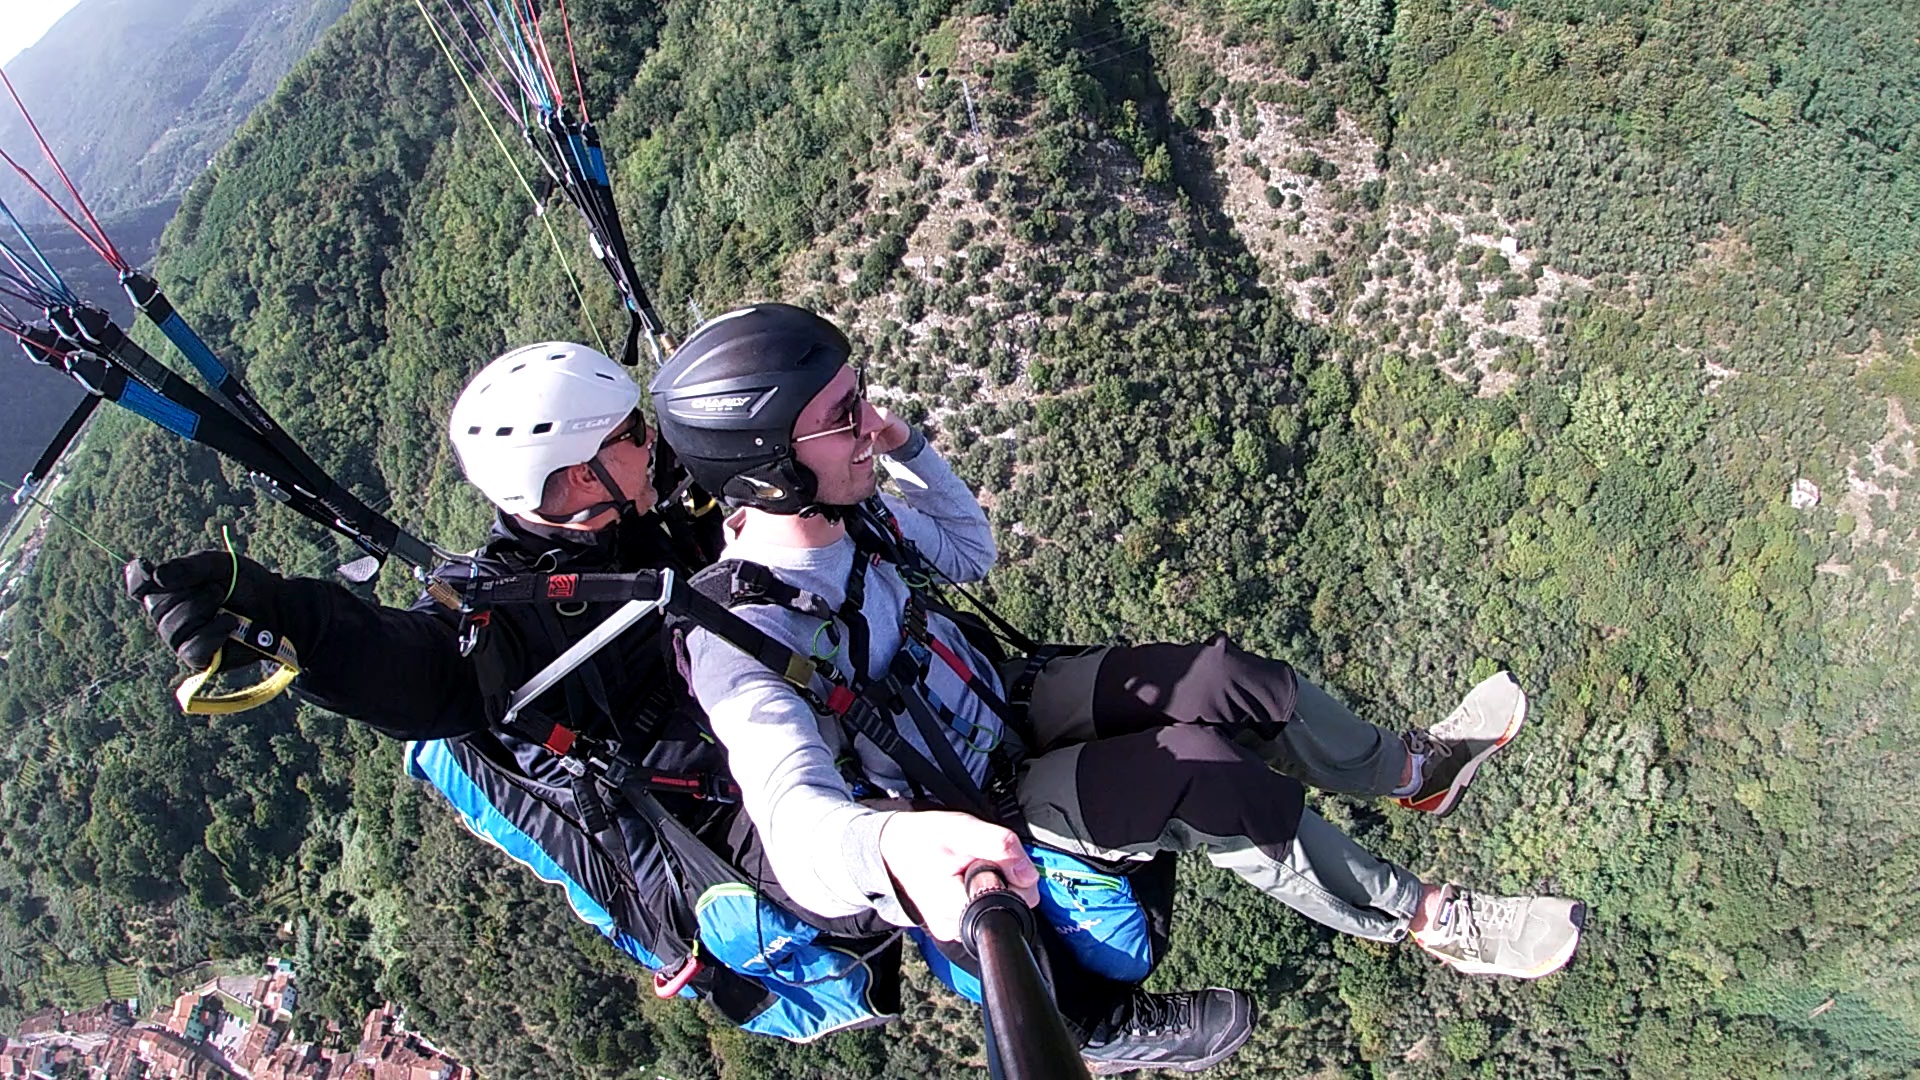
118, 560
539, 210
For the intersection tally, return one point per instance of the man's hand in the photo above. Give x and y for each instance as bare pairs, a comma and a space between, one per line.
928, 852
193, 600
893, 433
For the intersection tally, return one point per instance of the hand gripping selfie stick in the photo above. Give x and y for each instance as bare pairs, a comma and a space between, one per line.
1026, 1038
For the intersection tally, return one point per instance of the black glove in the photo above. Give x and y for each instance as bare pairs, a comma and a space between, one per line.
193, 602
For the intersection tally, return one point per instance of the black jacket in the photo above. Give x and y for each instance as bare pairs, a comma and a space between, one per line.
402, 672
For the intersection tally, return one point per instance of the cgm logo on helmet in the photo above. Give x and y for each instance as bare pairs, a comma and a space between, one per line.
594, 423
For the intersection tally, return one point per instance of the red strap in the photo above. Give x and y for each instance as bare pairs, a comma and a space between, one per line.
951, 658
560, 740
839, 700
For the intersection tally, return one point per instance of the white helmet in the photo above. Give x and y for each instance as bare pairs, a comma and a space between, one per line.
534, 410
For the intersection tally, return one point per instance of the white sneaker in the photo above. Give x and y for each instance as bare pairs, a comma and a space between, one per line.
1523, 937
1486, 720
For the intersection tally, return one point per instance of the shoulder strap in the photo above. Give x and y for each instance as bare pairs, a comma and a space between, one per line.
866, 705
874, 527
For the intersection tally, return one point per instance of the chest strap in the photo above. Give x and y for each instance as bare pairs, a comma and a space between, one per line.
866, 705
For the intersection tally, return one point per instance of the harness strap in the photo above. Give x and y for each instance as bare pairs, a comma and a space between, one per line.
597, 819
867, 712
57, 448
712, 787
536, 588
872, 523
800, 672
935, 737
959, 666
997, 801
875, 723
1020, 691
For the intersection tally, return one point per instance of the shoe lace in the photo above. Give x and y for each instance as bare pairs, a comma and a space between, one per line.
1469, 919
1155, 1014
1420, 741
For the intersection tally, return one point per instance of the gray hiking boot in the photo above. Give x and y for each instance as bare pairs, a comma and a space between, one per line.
1488, 719
1523, 937
1187, 1031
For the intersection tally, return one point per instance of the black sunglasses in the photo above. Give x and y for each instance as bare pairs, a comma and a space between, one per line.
850, 415
636, 433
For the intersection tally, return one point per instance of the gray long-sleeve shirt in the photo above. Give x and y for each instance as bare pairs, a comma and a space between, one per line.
823, 845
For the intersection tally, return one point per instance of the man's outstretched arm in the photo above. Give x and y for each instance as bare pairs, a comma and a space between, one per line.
399, 672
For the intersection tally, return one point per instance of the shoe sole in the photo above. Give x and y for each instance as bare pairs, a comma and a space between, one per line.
1205, 1063
1441, 803
1577, 916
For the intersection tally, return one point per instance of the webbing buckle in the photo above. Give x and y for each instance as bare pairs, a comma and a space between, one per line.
917, 649
749, 581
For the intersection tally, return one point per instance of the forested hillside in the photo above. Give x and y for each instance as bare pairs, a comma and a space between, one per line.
136, 95
1405, 340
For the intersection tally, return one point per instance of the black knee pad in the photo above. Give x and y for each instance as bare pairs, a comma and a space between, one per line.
1133, 786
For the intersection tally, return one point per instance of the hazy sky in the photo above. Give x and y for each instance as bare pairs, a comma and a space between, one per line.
23, 21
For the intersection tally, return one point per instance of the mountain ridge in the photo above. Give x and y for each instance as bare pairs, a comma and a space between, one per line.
203, 64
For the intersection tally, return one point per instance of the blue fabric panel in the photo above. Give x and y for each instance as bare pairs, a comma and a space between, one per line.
168, 414
431, 761
818, 989
1095, 914
957, 979
195, 350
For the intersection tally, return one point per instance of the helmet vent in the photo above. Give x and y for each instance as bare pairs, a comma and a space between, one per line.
474, 430
606, 376
552, 356
504, 431
516, 367
542, 427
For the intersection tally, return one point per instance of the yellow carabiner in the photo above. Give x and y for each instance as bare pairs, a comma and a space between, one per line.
267, 643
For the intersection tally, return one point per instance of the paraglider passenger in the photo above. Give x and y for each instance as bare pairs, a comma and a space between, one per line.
916, 756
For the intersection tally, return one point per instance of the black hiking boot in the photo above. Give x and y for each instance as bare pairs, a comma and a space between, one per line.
1188, 1031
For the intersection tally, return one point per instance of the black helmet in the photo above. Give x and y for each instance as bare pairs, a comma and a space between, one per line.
727, 400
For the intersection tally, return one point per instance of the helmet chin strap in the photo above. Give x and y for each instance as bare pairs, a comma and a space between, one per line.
600, 473
621, 501
826, 512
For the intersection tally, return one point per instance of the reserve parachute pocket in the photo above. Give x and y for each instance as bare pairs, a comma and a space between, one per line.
818, 988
